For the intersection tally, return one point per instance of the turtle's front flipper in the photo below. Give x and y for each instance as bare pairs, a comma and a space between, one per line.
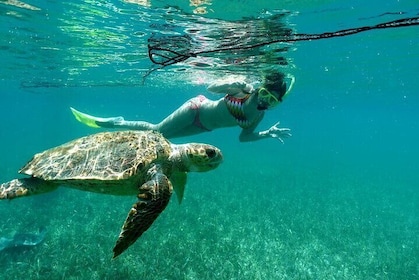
153, 198
25, 186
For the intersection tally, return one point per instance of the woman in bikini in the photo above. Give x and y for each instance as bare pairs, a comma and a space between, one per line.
242, 105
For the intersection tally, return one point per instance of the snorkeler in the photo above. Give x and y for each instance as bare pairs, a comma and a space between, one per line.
242, 105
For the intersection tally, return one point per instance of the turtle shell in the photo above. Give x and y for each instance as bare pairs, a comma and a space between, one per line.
102, 156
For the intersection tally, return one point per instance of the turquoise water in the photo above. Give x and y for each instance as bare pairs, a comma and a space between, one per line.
338, 200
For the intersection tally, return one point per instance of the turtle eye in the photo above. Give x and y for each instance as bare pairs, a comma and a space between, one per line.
210, 153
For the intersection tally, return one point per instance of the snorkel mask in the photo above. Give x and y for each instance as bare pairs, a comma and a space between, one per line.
268, 100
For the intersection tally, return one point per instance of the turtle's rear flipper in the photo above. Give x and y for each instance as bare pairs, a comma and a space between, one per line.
153, 199
25, 186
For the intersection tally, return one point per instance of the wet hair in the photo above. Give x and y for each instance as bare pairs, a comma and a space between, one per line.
274, 81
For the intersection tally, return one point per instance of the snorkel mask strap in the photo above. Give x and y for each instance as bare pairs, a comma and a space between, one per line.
292, 81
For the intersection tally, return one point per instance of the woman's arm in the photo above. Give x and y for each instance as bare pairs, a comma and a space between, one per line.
231, 86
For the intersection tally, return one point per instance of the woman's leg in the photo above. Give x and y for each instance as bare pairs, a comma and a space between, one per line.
113, 122
174, 125
177, 124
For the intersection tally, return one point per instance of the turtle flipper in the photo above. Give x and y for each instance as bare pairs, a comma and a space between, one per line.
153, 198
25, 186
95, 122
179, 182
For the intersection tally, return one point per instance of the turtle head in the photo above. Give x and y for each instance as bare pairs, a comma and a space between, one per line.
196, 157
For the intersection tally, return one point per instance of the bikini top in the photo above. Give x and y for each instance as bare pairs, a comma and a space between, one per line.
235, 107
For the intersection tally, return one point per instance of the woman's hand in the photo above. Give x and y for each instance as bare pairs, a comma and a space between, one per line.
277, 132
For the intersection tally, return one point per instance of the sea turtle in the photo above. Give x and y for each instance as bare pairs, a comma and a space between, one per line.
141, 163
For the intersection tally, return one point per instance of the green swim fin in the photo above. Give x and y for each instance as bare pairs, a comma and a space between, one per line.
85, 118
